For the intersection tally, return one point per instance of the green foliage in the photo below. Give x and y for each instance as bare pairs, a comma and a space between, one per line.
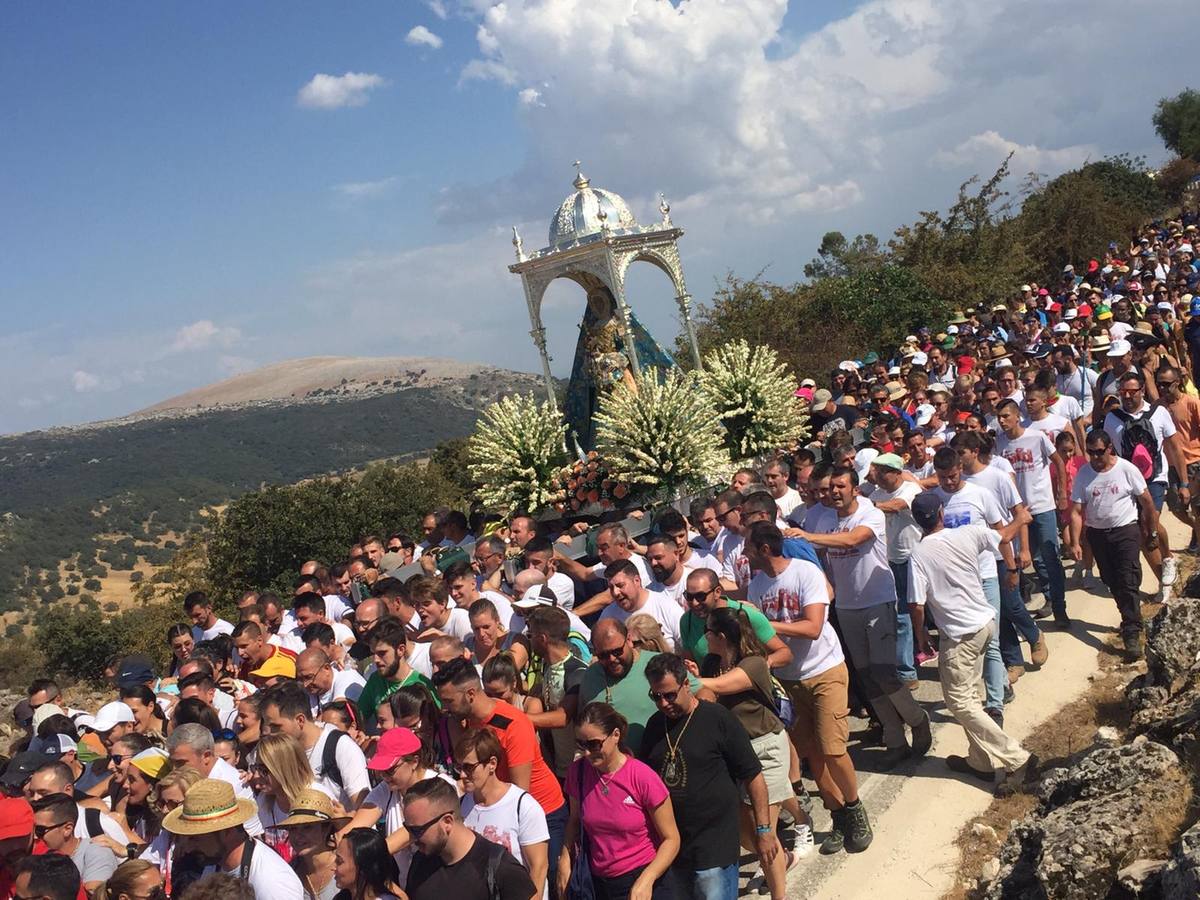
836, 257
1075, 216
451, 458
80, 642
1177, 121
263, 537
91, 584
1176, 177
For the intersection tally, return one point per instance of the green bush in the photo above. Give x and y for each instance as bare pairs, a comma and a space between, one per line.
91, 584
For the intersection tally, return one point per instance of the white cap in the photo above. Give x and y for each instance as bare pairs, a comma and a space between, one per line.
953, 329
1071, 313
538, 595
54, 745
911, 339
920, 359
937, 388
1184, 248
1062, 328
848, 365
1165, 306
1003, 363
45, 711
924, 414
894, 370
862, 461
86, 720
111, 715
1119, 348
1118, 330
808, 382
1026, 287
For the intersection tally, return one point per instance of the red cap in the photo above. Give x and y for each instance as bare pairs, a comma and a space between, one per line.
1093, 265
395, 744
1042, 292
16, 818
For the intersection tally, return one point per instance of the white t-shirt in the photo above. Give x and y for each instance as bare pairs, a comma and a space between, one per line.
564, 589
270, 876
735, 567
346, 683
788, 502
514, 821
382, 798
350, 762
1160, 421
944, 573
918, 472
1030, 455
1108, 497
903, 532
458, 624
782, 598
700, 560
861, 575
207, 634
1080, 386
636, 558
107, 824
288, 641
972, 505
1052, 425
223, 771
341, 633
999, 462
1000, 485
673, 591
665, 611
1067, 407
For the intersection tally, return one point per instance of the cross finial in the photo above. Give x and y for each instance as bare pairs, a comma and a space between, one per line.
581, 180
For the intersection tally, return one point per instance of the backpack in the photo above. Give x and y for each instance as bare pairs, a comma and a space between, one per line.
495, 855
1139, 443
329, 764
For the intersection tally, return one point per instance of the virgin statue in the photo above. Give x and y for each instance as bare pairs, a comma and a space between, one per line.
601, 361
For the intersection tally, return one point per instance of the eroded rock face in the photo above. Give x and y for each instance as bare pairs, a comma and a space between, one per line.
1181, 877
1094, 817
1173, 641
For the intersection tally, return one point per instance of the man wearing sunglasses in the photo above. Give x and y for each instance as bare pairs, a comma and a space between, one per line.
703, 595
54, 819
1111, 493
453, 860
1185, 413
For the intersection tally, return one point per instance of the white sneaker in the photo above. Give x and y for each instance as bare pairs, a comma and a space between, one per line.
1164, 594
1170, 570
804, 841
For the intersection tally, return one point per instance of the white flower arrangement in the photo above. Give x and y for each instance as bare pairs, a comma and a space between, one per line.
515, 453
755, 398
662, 436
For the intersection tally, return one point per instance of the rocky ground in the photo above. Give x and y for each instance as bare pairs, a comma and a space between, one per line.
1105, 824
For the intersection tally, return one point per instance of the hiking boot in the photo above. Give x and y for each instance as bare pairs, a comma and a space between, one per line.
1061, 619
857, 827
1039, 652
1009, 694
997, 715
1133, 645
835, 841
1015, 673
922, 737
961, 765
893, 757
1018, 779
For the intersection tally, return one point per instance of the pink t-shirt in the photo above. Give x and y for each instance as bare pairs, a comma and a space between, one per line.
620, 833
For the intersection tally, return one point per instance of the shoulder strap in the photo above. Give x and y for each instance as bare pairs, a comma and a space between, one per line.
247, 856
329, 764
91, 817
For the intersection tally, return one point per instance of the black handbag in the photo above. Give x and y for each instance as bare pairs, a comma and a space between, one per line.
580, 886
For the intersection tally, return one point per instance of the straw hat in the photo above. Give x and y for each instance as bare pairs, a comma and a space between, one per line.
209, 805
1000, 351
896, 390
313, 807
1100, 341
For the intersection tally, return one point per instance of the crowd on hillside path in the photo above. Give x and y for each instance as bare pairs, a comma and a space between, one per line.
516, 724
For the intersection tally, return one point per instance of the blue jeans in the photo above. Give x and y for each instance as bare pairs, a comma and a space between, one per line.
706, 884
906, 668
1015, 623
995, 676
1158, 493
556, 824
1043, 546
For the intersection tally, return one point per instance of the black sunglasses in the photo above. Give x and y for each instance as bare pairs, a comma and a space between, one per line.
659, 697
595, 745
610, 654
1096, 451
695, 596
416, 831
396, 549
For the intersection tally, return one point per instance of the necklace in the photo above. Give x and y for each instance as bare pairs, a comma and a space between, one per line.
674, 771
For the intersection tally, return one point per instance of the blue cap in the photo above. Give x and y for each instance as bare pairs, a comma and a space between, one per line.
1195, 310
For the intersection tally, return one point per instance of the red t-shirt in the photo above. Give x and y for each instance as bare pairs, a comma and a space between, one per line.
519, 739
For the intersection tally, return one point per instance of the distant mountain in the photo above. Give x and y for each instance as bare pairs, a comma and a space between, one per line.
115, 495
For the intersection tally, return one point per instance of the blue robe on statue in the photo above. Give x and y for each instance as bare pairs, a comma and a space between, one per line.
583, 393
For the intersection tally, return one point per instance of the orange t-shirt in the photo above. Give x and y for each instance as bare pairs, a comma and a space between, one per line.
519, 739
1186, 413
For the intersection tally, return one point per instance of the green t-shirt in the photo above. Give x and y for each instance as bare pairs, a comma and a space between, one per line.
691, 629
377, 690
630, 696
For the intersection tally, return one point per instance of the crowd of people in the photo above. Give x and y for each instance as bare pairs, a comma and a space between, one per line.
516, 723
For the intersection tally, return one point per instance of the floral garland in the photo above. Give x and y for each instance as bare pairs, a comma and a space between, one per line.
755, 398
515, 455
662, 435
589, 481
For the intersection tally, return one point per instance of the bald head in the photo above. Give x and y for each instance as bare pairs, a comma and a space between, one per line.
526, 579
314, 672
609, 629
309, 567
367, 614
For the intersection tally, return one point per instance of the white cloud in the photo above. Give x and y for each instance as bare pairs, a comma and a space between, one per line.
420, 36
437, 7
201, 335
988, 148
530, 97
336, 91
84, 381
358, 189
486, 70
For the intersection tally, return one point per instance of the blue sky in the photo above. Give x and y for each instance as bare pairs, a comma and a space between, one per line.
176, 211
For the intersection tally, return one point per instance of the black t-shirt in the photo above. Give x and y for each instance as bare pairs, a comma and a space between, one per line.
431, 879
842, 418
716, 756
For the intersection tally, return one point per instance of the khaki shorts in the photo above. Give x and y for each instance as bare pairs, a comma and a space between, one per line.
774, 752
822, 709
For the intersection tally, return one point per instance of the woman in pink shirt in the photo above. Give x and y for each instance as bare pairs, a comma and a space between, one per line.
624, 811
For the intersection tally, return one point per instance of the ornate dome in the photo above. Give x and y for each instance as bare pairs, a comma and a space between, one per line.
586, 211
